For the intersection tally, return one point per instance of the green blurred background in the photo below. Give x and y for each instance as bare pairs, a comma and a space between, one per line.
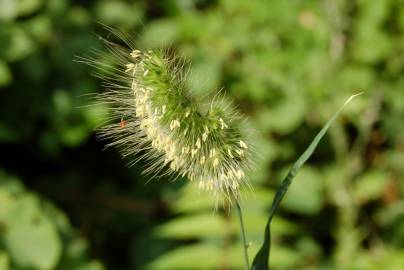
67, 204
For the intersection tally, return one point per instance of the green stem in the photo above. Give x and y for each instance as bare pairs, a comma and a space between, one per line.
245, 246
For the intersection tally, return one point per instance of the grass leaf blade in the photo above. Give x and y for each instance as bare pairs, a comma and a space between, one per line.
261, 259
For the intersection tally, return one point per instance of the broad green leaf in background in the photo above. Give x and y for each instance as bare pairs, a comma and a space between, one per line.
34, 234
94, 265
19, 44
195, 226
8, 10
26, 7
31, 237
203, 255
262, 258
4, 261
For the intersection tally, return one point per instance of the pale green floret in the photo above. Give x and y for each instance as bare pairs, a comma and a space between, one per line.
176, 133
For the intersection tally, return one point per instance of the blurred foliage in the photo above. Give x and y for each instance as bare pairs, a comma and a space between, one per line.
35, 234
288, 64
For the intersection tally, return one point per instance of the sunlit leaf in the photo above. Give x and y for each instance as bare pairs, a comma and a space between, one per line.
204, 256
195, 226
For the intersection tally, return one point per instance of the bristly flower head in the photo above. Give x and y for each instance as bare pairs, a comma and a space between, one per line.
154, 117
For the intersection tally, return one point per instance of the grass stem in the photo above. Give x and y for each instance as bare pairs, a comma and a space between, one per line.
245, 246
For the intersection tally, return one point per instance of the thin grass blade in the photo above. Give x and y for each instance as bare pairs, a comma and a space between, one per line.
261, 260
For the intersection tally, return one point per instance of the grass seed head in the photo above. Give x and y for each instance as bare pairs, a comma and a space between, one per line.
168, 127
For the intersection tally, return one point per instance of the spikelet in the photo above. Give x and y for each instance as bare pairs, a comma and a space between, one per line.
205, 140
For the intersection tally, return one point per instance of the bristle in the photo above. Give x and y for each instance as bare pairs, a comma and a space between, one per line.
155, 118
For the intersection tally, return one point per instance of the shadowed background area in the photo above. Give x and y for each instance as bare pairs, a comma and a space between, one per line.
66, 203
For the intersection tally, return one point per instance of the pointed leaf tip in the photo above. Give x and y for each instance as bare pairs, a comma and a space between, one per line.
261, 260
